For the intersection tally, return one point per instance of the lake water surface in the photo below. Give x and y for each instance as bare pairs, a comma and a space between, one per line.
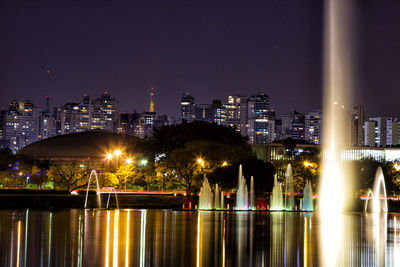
185, 238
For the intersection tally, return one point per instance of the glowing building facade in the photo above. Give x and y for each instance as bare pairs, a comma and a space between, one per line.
381, 132
313, 127
21, 125
187, 108
105, 115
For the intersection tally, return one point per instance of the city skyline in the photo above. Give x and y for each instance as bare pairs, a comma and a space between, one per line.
268, 46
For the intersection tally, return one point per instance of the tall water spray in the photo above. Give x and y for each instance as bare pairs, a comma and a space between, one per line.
222, 200
289, 191
242, 196
307, 201
206, 196
338, 83
217, 198
253, 205
276, 197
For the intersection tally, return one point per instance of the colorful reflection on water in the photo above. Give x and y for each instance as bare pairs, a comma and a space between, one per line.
176, 238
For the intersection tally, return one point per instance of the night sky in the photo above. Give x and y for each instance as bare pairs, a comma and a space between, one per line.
208, 48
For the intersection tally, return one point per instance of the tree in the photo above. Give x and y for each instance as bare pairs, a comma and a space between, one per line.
8, 178
70, 175
126, 173
107, 179
167, 138
227, 176
187, 151
181, 168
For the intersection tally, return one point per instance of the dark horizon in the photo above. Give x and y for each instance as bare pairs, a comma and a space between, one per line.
208, 49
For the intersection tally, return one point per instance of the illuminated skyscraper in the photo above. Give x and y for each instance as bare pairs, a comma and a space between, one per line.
381, 132
234, 113
261, 121
21, 125
187, 108
105, 115
313, 127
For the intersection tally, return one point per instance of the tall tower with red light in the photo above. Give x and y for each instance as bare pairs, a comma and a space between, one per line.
152, 100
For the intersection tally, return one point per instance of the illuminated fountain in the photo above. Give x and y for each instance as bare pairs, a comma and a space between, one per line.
253, 205
289, 191
109, 195
307, 201
97, 191
379, 186
242, 196
338, 85
206, 196
217, 198
335, 184
276, 197
222, 200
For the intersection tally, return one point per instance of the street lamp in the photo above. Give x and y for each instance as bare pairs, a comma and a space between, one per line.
117, 153
128, 161
307, 164
200, 161
224, 164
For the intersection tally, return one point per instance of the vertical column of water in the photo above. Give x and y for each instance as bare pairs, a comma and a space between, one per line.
276, 202
217, 198
253, 205
289, 191
307, 201
206, 196
222, 200
338, 86
241, 193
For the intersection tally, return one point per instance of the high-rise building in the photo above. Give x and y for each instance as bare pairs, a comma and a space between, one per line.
293, 125
369, 133
287, 120
357, 121
105, 115
235, 113
74, 117
298, 127
278, 129
203, 112
381, 132
48, 129
313, 127
129, 122
217, 111
187, 108
261, 120
162, 120
21, 125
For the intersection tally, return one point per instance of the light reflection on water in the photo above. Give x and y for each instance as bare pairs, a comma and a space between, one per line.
175, 238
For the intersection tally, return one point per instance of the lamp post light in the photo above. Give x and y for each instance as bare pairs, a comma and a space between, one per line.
109, 157
201, 162
117, 153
